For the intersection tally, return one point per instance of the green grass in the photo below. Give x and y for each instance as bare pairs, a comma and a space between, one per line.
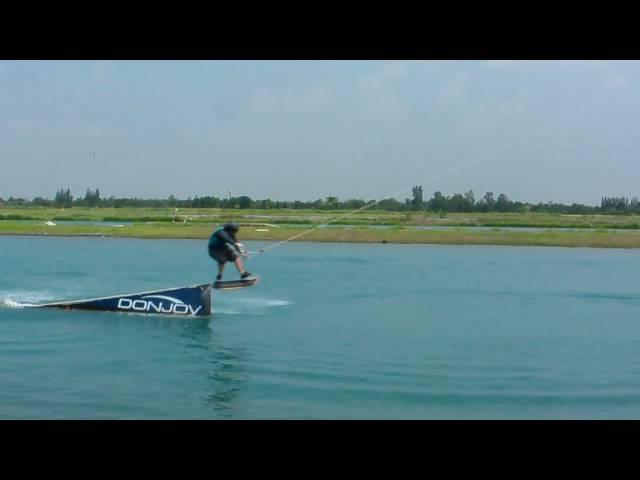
315, 217
198, 223
458, 236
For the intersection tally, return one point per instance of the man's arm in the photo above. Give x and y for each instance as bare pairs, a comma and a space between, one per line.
227, 238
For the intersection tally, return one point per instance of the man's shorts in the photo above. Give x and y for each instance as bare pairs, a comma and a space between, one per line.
224, 254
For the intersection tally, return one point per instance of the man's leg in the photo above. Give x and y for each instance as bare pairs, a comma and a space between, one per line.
233, 256
239, 265
220, 270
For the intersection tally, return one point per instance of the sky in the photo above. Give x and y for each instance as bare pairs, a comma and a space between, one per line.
538, 131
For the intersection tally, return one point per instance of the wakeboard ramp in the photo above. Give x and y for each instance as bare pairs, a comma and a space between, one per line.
184, 301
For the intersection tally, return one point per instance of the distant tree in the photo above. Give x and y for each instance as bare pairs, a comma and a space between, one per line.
502, 204
390, 204
213, 202
265, 204
332, 202
63, 198
470, 198
171, 201
615, 204
91, 198
244, 202
58, 200
40, 202
456, 203
353, 204
520, 207
438, 203
17, 201
488, 202
577, 209
417, 201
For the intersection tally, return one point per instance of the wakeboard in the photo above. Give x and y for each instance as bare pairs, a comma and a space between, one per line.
234, 284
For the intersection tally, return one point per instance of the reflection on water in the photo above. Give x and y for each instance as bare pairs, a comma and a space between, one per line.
226, 375
227, 378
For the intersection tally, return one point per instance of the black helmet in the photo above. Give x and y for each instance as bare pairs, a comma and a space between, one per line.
231, 227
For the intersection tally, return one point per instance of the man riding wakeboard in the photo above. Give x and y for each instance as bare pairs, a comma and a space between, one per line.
224, 247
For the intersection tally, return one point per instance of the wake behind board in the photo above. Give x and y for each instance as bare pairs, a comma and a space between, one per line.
234, 284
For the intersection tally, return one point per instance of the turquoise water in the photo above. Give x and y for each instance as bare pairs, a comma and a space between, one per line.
332, 331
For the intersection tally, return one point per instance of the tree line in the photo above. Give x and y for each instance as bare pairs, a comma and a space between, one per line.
465, 202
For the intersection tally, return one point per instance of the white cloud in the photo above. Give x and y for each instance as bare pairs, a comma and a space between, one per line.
378, 87
455, 89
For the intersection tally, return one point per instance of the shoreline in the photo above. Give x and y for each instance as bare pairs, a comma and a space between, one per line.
568, 239
373, 227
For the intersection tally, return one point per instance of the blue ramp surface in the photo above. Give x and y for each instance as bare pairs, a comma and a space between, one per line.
186, 301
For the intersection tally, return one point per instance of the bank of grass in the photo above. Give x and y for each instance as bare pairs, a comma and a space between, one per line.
310, 217
399, 235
